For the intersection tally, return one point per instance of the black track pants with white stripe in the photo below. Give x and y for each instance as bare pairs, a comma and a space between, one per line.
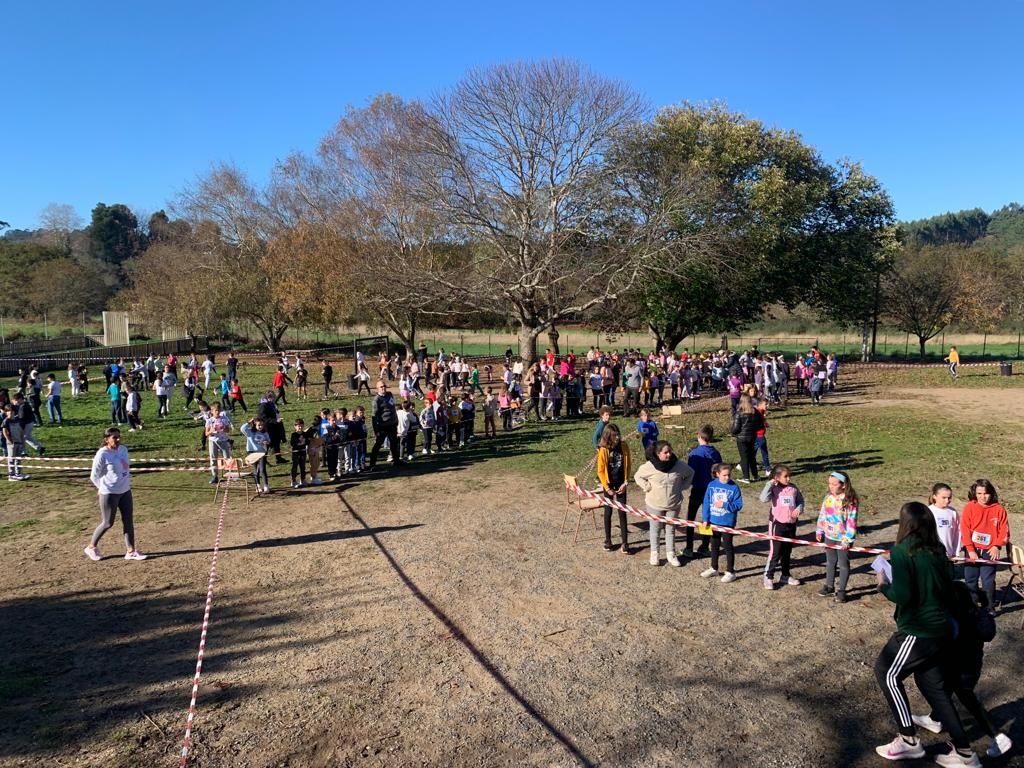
925, 659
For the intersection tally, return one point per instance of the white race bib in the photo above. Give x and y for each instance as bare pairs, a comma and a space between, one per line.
981, 539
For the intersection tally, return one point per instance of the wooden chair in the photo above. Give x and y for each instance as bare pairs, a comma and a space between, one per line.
581, 503
1016, 582
229, 470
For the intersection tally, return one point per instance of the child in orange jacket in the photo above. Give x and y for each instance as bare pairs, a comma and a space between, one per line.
983, 530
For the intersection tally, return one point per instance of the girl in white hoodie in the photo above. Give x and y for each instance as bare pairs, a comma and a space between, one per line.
663, 478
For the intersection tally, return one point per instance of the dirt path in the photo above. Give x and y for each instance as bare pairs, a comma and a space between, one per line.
438, 622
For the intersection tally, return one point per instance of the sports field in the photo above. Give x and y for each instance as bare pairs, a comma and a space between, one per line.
437, 616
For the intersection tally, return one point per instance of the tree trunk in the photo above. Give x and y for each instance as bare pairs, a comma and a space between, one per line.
527, 343
922, 340
658, 338
553, 336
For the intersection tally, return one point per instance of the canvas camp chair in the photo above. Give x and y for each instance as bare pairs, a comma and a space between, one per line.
581, 503
1016, 582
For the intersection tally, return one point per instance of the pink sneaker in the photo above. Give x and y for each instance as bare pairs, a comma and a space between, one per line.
135, 555
93, 553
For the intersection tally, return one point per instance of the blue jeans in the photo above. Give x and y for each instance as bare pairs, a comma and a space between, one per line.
973, 571
761, 444
53, 407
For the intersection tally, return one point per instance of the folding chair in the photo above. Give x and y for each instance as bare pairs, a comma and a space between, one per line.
581, 503
230, 471
1016, 582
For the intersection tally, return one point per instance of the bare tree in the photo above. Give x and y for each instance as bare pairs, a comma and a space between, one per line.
233, 223
923, 289
369, 225
519, 159
59, 221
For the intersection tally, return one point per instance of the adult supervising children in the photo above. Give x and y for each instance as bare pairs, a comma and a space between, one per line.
112, 477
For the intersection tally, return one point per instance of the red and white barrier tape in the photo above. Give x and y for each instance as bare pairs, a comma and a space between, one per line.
186, 743
135, 459
30, 464
740, 532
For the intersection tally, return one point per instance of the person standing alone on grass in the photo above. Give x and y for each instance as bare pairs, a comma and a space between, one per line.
953, 358
280, 381
746, 423
111, 476
922, 588
327, 373
53, 400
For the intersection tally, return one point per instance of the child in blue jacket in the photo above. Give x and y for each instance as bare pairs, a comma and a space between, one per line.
722, 503
647, 428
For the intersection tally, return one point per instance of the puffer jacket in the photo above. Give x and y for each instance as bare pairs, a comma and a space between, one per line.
746, 426
664, 490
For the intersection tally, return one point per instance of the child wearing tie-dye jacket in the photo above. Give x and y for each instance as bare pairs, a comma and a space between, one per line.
837, 524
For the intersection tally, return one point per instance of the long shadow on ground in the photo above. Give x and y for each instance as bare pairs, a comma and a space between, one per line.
566, 743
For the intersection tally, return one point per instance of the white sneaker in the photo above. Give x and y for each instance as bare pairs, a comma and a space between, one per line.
424, 451
266, 489
135, 555
673, 560
898, 749
954, 759
93, 553
294, 484
739, 466
1000, 745
708, 573
654, 559
729, 577
926, 722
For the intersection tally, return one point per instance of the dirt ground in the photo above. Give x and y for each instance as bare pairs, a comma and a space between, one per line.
443, 620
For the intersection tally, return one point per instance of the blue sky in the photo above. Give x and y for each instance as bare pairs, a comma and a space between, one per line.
126, 102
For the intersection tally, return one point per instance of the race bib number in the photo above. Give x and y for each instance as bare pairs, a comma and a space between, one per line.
981, 539
718, 499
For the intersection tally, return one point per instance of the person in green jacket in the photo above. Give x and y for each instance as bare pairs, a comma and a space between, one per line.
921, 587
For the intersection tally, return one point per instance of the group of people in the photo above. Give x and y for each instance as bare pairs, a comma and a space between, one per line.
943, 569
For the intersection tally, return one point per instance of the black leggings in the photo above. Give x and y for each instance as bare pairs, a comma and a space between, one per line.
924, 658
779, 552
110, 503
623, 534
723, 541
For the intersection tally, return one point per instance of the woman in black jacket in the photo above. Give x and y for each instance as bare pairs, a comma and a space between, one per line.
745, 425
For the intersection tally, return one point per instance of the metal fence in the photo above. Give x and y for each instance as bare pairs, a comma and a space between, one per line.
59, 360
36, 346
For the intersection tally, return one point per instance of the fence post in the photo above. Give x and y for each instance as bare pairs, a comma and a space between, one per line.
844, 345
488, 344
906, 350
984, 343
885, 345
1018, 343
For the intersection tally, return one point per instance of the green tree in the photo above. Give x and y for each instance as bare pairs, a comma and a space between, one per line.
1007, 225
756, 217
114, 233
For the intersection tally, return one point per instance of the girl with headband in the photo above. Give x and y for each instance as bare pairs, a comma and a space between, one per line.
837, 525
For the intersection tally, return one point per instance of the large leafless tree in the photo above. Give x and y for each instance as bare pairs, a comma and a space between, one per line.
519, 153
